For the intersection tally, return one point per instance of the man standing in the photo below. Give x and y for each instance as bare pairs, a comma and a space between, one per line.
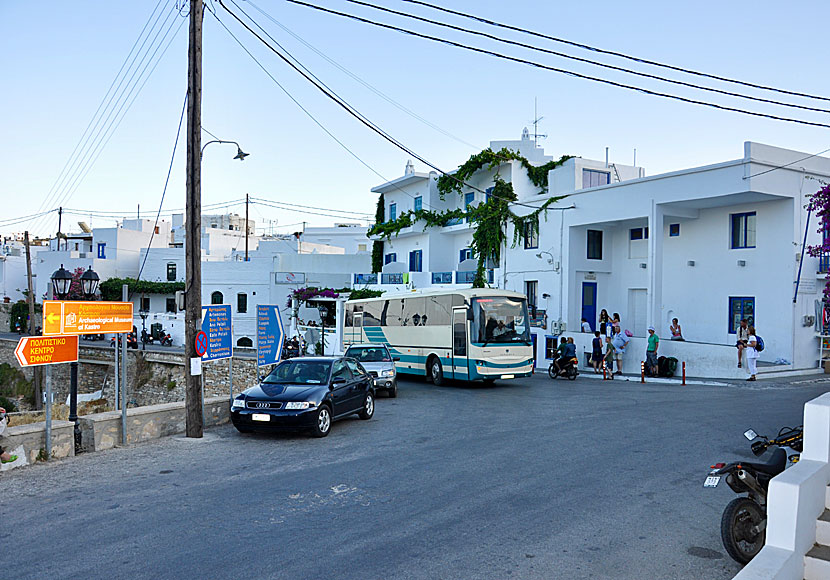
620, 341
651, 351
743, 339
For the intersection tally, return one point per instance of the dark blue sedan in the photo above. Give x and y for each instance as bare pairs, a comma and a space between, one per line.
306, 393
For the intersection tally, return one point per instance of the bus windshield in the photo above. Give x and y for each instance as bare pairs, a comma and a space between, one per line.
500, 320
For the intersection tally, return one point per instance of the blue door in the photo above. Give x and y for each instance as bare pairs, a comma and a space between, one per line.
589, 303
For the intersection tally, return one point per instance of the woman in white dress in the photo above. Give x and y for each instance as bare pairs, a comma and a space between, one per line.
751, 354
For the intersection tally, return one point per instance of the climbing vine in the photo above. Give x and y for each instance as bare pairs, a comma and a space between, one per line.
377, 245
491, 217
820, 205
111, 287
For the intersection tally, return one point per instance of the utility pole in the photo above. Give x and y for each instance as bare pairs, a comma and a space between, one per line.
194, 423
30, 298
246, 227
60, 217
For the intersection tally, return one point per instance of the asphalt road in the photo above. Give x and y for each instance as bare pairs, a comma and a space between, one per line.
525, 479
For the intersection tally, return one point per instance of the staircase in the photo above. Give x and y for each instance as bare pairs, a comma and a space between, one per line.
817, 560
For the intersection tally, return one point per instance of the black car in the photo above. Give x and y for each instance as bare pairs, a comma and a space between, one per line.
306, 393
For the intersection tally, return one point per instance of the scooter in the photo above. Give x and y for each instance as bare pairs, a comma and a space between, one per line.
568, 369
744, 521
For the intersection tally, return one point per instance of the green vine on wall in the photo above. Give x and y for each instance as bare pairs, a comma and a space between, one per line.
111, 288
491, 218
377, 245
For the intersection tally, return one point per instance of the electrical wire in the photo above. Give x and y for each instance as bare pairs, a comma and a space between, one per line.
364, 214
585, 60
776, 168
303, 211
560, 70
617, 54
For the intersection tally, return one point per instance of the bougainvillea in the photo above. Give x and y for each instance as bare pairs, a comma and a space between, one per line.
819, 204
305, 294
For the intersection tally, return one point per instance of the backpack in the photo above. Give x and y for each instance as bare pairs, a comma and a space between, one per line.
671, 366
759, 346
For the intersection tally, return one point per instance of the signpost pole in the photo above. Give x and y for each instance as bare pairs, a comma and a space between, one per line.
117, 401
124, 297
230, 376
49, 292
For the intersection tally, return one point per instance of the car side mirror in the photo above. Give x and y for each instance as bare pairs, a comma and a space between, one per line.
261, 378
396, 359
338, 381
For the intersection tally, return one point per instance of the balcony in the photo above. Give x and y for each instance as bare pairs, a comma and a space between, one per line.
364, 279
393, 278
442, 277
468, 277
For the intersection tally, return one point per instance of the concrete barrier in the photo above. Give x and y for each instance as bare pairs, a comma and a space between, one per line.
795, 501
32, 439
103, 430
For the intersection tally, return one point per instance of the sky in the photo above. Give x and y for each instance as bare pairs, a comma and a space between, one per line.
58, 61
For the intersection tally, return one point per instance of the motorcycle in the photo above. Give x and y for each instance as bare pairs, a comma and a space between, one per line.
744, 521
132, 342
568, 369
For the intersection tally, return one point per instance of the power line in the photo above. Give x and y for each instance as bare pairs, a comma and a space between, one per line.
275, 205
364, 214
776, 168
585, 60
560, 70
617, 54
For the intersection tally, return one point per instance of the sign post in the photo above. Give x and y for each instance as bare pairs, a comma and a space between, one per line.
269, 334
46, 350
76, 317
217, 326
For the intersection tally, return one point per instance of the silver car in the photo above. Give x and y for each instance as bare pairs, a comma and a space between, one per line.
380, 363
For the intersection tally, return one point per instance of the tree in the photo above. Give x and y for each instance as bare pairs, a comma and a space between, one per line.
377, 245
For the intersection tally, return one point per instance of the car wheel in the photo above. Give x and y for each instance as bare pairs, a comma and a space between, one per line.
393, 392
368, 407
322, 424
436, 372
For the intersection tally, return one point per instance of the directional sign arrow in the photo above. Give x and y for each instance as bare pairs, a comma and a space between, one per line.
52, 317
46, 350
18, 352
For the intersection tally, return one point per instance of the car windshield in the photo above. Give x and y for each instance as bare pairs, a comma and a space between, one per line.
499, 320
300, 372
369, 354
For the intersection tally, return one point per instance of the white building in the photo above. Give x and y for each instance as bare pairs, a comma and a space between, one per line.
13, 280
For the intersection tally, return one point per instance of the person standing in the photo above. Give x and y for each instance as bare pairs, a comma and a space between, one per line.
610, 354
596, 351
603, 321
743, 339
676, 331
651, 351
751, 354
616, 328
620, 341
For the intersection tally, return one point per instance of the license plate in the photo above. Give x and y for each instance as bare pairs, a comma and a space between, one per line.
260, 417
712, 481
508, 376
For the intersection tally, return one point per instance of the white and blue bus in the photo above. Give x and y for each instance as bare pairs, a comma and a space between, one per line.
471, 334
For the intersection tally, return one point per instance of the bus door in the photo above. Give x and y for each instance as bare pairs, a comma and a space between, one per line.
459, 343
357, 332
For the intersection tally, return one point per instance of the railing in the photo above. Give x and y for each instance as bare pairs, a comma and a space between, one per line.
362, 279
468, 277
442, 277
392, 278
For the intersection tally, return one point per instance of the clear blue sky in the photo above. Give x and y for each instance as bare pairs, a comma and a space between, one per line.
57, 60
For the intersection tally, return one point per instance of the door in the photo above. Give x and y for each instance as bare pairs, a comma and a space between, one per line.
589, 303
459, 343
343, 393
357, 332
637, 306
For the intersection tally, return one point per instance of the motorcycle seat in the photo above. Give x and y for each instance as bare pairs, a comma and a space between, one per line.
775, 465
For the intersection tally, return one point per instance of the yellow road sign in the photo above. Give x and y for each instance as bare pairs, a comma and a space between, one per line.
71, 317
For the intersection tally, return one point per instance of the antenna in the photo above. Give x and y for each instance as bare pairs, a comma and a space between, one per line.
536, 119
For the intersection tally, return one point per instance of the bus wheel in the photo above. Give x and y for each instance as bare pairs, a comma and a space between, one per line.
436, 372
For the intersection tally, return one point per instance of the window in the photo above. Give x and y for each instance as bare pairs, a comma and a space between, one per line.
741, 308
413, 312
415, 260
389, 258
355, 368
530, 232
743, 230
469, 198
674, 230
341, 371
595, 244
216, 298
419, 203
824, 257
393, 212
638, 234
171, 272
102, 251
242, 303
465, 254
550, 347
488, 193
531, 290
593, 178
439, 310
245, 342
170, 305
361, 247
145, 304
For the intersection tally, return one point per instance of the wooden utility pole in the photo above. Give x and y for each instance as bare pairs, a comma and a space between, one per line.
30, 298
246, 227
194, 420
60, 218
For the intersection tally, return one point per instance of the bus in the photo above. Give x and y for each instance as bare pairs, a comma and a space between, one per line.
476, 334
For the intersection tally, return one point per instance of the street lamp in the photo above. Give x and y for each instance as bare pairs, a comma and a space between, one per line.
324, 312
143, 314
61, 284
241, 155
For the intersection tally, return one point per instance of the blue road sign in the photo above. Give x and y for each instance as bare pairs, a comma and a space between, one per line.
269, 334
218, 325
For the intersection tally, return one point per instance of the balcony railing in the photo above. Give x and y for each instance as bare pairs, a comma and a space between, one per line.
392, 278
442, 277
363, 279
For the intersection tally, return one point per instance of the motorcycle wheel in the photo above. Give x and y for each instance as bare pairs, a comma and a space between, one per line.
572, 374
739, 517
551, 371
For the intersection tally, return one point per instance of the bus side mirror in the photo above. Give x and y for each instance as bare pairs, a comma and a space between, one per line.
470, 314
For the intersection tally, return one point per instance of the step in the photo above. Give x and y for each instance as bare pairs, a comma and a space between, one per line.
817, 563
823, 529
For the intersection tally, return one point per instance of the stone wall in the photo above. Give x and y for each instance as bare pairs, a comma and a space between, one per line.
153, 377
31, 440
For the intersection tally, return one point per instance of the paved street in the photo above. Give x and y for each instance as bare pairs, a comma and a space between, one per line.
526, 479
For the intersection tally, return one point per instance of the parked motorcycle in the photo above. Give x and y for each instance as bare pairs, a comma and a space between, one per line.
132, 341
744, 521
568, 369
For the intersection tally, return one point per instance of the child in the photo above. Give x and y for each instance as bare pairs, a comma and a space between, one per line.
610, 353
596, 353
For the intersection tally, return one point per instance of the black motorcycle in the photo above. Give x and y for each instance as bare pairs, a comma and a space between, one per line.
744, 521
567, 370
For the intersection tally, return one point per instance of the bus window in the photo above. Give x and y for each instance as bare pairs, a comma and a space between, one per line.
349, 316
499, 320
371, 313
414, 312
438, 309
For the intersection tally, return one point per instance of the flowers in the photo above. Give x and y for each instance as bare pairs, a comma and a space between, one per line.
820, 204
310, 293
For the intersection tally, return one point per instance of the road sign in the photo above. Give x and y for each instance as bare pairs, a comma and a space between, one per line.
269, 334
69, 317
46, 350
217, 323
201, 343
